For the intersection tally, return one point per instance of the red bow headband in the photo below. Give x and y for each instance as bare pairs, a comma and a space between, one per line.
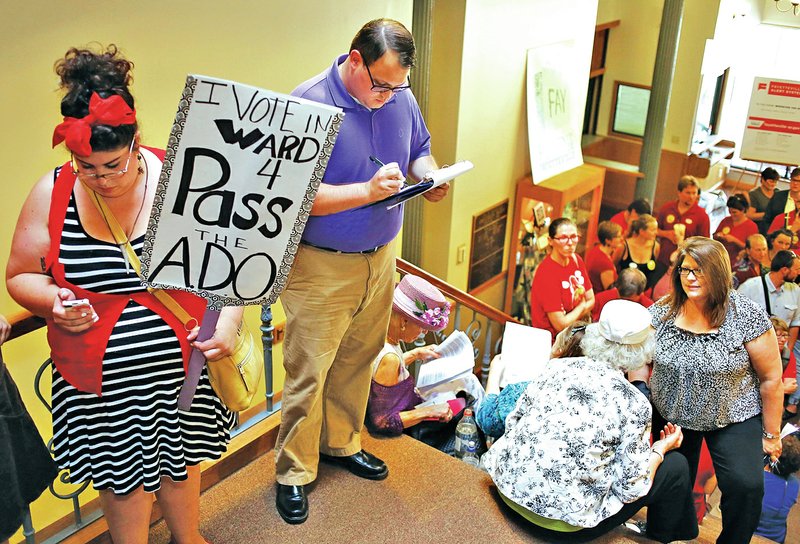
112, 111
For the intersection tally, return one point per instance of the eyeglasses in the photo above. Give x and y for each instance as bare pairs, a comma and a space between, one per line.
384, 88
782, 334
568, 238
698, 273
110, 175
576, 330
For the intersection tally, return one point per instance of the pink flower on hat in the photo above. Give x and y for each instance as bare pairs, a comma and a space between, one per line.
435, 317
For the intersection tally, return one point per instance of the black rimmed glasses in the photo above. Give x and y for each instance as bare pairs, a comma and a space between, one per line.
683, 271
385, 88
110, 175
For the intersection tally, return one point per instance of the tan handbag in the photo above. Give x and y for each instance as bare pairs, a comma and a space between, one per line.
234, 378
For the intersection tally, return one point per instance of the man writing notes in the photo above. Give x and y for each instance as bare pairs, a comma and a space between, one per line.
339, 294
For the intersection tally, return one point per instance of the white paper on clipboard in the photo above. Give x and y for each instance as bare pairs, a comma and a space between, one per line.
432, 179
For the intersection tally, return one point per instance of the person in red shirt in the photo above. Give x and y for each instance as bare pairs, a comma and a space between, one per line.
629, 286
778, 240
734, 230
789, 221
601, 258
753, 262
561, 292
683, 211
640, 206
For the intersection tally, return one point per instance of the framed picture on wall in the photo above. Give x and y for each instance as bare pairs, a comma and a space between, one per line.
629, 105
488, 242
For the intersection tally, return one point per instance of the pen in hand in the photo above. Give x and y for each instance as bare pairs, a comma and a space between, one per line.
380, 164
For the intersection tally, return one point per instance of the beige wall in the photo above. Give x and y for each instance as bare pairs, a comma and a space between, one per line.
632, 52
491, 125
264, 43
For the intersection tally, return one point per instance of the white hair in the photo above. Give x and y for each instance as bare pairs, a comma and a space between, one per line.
624, 357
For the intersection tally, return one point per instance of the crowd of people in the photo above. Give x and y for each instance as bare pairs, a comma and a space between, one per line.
724, 365
616, 421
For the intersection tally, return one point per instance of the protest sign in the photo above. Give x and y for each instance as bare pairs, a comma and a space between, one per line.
242, 169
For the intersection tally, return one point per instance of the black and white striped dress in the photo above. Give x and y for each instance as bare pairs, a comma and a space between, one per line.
134, 434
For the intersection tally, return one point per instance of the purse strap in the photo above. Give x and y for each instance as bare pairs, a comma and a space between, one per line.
766, 293
121, 239
196, 360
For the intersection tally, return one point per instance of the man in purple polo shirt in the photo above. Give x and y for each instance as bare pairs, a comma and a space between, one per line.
339, 295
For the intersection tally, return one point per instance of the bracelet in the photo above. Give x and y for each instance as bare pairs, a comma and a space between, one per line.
769, 436
658, 453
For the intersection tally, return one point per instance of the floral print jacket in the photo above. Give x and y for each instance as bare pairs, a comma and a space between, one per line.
576, 446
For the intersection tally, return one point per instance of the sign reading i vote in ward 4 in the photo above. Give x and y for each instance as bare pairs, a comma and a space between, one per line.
242, 168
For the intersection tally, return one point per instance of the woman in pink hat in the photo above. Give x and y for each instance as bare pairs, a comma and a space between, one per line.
417, 307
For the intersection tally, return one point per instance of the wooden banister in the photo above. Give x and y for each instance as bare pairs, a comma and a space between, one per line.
24, 322
459, 296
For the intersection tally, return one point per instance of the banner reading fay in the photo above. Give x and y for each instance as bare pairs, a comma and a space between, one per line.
242, 169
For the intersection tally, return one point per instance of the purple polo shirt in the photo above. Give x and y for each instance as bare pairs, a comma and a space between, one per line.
395, 132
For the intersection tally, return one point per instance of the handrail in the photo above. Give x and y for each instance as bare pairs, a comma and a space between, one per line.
24, 322
459, 296
481, 326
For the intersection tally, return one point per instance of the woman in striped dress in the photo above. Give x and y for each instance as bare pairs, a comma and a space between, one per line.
120, 357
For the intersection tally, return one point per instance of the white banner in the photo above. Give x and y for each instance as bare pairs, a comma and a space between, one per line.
557, 85
242, 169
772, 131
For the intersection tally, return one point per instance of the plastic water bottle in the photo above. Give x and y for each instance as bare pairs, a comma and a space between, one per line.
467, 439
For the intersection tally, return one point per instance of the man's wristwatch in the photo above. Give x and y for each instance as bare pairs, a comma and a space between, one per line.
769, 436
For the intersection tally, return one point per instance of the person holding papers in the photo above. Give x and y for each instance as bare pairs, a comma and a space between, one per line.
498, 403
394, 399
119, 354
561, 292
338, 295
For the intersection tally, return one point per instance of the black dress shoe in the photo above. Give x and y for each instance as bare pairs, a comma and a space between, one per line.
362, 464
292, 503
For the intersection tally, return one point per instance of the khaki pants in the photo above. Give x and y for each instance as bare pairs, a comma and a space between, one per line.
337, 314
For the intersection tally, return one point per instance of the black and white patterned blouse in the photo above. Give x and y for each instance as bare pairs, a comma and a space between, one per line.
576, 446
705, 381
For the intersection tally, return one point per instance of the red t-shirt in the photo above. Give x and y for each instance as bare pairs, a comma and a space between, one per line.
740, 231
598, 262
789, 371
780, 222
695, 219
557, 288
619, 219
601, 299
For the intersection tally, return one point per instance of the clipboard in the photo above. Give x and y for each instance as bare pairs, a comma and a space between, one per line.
431, 180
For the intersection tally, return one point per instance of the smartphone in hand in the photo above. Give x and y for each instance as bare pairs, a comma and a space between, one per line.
77, 303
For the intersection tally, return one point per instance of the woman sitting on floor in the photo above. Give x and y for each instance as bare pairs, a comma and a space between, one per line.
417, 307
576, 455
497, 404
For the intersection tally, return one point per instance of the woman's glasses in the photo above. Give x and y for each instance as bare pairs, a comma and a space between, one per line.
697, 272
567, 238
110, 175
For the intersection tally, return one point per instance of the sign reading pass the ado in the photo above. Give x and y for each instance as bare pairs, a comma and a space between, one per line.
242, 169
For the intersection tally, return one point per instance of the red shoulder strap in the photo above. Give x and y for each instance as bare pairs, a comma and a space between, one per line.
62, 189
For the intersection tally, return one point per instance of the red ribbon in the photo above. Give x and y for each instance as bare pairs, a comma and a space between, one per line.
112, 111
